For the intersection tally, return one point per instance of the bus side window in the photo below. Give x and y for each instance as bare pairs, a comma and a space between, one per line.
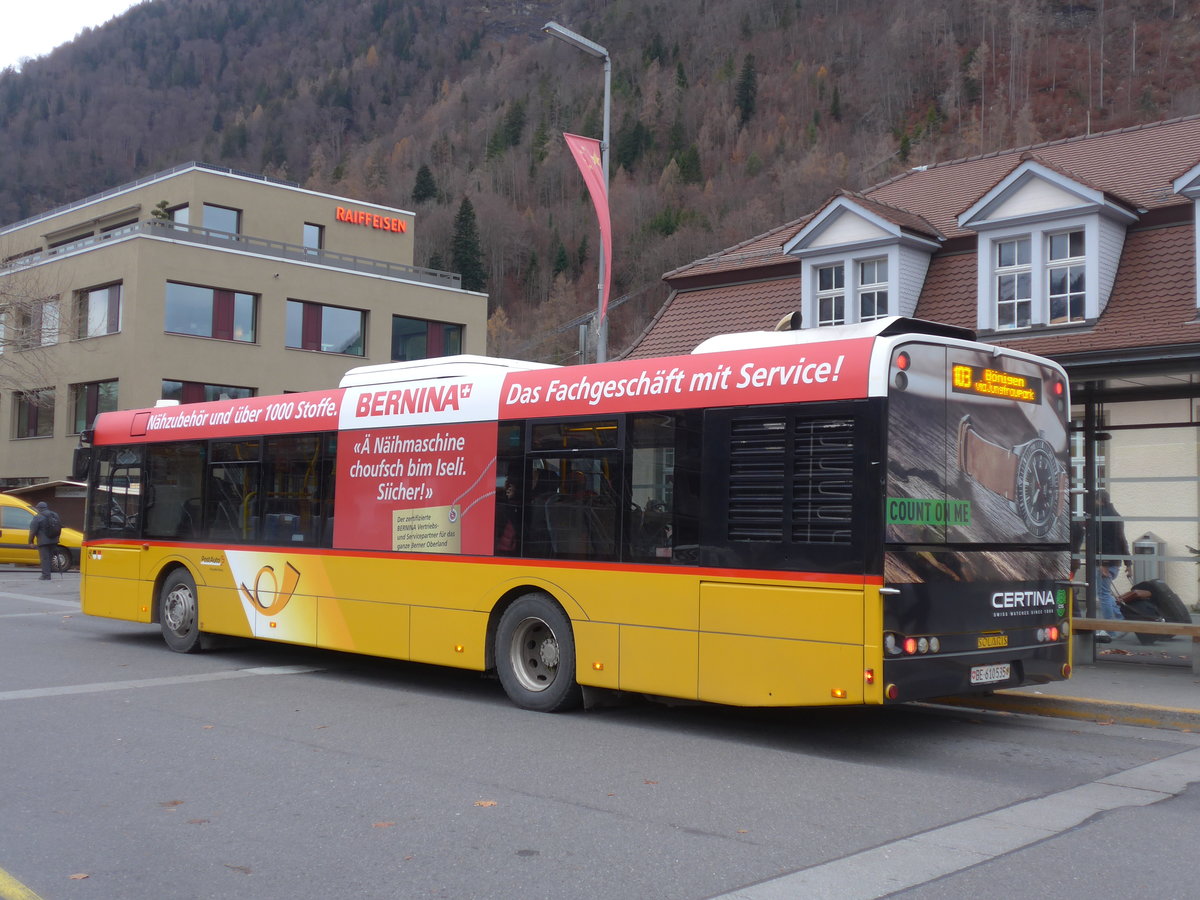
291, 507
173, 489
510, 489
651, 526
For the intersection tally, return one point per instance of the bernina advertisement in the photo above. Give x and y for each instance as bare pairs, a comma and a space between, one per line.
977, 453
412, 476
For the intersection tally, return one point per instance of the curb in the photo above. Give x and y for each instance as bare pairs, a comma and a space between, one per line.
1103, 712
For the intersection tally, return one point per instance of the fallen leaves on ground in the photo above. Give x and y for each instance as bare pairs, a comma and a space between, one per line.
485, 802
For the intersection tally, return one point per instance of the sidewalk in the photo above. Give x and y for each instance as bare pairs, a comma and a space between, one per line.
1129, 684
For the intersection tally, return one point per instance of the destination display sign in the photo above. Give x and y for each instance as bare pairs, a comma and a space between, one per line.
996, 383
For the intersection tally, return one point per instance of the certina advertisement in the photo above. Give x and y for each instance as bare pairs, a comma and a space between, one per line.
977, 462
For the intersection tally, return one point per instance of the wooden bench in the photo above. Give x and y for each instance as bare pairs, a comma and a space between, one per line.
1085, 650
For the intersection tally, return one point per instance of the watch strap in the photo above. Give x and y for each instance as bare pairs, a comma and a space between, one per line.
991, 465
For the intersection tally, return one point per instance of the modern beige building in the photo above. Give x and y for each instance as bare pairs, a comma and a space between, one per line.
202, 282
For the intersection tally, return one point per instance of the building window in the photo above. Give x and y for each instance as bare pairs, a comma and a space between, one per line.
1066, 278
35, 324
1014, 283
196, 392
180, 215
89, 401
34, 413
314, 236
222, 218
331, 329
872, 289
419, 339
98, 311
210, 312
831, 295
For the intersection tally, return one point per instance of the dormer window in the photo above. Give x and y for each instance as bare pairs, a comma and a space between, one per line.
860, 261
1013, 279
1040, 279
831, 295
1067, 277
1048, 249
872, 289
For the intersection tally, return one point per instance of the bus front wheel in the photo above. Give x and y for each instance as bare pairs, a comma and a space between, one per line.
535, 655
178, 613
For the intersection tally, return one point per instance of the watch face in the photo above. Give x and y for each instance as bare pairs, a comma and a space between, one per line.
1037, 487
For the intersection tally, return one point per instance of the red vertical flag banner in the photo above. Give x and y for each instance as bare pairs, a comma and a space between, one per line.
587, 155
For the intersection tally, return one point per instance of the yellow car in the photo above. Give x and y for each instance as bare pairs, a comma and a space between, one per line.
15, 516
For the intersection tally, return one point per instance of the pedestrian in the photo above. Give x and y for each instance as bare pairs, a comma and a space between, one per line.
1112, 555
45, 529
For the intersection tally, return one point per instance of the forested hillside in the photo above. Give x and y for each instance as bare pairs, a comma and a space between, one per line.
728, 116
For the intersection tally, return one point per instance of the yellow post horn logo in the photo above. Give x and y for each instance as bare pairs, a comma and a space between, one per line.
282, 594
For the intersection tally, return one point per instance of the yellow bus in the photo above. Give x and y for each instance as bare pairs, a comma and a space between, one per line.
863, 514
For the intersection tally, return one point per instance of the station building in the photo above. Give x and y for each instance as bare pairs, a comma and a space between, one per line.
1085, 250
199, 283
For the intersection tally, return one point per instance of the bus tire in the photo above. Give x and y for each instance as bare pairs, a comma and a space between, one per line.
535, 655
178, 612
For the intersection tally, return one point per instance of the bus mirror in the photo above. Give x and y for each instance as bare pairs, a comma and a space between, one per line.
81, 463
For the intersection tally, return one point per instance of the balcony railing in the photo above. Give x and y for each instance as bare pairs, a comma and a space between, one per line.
192, 234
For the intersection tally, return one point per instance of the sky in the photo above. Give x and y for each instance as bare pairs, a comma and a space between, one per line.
32, 28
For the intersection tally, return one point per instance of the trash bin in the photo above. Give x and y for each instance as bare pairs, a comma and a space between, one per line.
1148, 552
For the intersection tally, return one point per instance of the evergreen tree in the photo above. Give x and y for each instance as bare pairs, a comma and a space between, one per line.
747, 90
581, 256
424, 188
466, 256
689, 166
562, 261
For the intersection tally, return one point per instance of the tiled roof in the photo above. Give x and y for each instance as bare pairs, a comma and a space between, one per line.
1153, 301
688, 317
764, 250
1162, 152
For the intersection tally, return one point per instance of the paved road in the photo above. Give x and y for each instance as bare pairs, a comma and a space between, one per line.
265, 771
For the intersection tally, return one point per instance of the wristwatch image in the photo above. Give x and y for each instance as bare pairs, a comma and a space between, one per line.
1028, 475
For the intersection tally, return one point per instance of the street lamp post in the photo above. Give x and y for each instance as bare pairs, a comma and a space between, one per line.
593, 49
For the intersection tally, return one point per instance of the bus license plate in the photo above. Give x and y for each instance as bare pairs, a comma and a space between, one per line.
989, 674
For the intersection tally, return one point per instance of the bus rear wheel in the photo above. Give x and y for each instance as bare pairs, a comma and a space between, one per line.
535, 655
178, 612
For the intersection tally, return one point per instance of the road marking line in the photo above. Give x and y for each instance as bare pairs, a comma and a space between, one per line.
98, 687
912, 861
50, 601
11, 889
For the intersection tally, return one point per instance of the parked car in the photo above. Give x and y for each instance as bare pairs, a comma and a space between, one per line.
15, 515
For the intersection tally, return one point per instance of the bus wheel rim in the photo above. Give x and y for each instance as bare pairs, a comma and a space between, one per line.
179, 610
534, 654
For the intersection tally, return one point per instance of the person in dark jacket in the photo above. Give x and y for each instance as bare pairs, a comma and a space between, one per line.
39, 533
1113, 555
